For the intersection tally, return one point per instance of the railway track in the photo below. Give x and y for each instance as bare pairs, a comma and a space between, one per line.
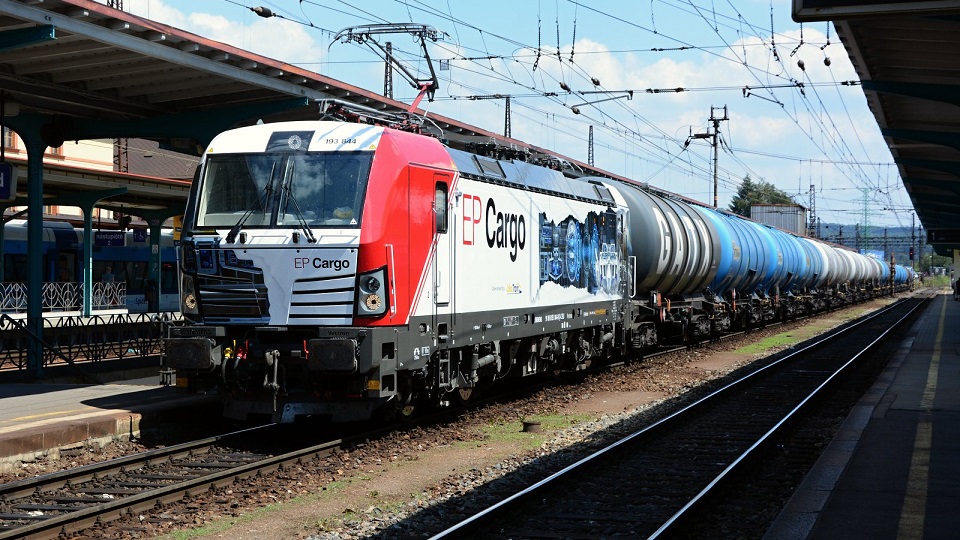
112, 494
658, 482
65, 502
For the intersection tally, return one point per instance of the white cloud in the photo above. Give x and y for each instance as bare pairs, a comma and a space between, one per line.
275, 38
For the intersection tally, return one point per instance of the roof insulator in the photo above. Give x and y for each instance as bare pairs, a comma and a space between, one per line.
262, 11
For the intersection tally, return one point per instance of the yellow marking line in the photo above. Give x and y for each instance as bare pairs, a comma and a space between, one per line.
915, 500
37, 416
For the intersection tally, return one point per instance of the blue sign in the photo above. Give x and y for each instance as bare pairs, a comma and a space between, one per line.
139, 235
8, 181
109, 239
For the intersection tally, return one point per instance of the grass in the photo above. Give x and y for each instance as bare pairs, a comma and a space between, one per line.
937, 281
225, 523
511, 431
777, 341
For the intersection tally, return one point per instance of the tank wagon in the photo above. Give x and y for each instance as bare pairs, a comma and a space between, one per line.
345, 269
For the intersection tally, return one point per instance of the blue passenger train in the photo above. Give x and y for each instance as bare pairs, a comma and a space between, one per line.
127, 254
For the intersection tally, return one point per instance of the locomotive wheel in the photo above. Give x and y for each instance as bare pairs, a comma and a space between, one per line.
463, 395
407, 412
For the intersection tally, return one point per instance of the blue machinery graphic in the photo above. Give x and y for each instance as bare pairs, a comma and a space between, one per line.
584, 255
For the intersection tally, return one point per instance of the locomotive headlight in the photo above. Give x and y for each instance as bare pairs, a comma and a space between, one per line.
372, 301
371, 284
188, 298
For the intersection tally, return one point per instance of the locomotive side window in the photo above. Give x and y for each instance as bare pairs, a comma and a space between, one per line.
440, 207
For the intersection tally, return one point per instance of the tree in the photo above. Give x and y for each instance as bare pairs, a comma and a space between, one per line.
761, 192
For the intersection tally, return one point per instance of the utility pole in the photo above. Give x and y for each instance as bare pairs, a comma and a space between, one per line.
121, 156
811, 228
922, 238
388, 71
866, 215
590, 148
913, 242
716, 146
506, 119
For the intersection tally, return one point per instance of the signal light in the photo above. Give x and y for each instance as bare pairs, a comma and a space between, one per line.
911, 253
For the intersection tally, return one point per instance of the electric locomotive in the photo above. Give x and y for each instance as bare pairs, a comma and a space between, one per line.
335, 269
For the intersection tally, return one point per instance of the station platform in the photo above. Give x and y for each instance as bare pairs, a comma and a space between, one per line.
40, 420
893, 469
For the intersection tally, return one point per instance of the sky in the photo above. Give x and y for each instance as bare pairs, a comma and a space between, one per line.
738, 62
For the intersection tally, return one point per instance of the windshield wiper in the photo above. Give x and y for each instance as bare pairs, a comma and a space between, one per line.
288, 191
262, 198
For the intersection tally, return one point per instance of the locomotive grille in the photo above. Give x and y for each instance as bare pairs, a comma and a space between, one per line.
234, 294
323, 301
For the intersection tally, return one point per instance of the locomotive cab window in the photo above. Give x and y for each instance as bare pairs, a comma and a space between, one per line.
267, 190
440, 207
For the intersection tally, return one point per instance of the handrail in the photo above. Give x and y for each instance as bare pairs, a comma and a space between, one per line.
86, 340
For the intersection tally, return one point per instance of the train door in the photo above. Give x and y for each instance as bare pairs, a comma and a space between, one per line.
65, 294
443, 261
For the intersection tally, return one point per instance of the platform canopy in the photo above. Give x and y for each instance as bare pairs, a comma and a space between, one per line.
93, 69
907, 54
